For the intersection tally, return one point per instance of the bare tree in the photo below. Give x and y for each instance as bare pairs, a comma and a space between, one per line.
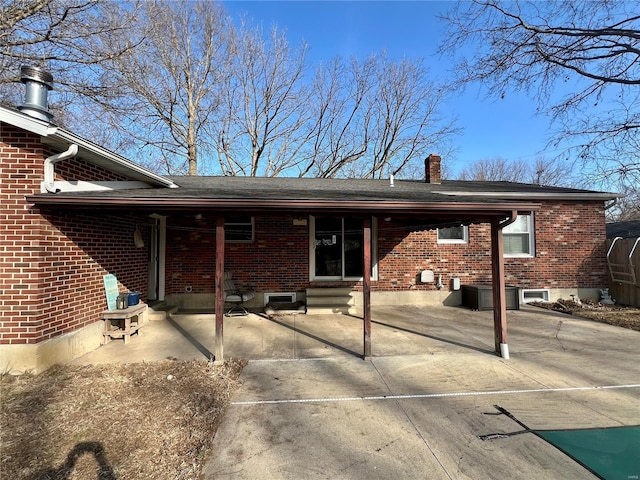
259, 132
545, 171
541, 172
406, 117
166, 91
67, 37
589, 48
374, 118
627, 208
340, 132
181, 87
495, 169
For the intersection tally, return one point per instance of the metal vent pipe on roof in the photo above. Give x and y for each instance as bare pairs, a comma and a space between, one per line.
38, 82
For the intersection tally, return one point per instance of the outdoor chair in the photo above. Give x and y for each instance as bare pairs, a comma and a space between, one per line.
236, 297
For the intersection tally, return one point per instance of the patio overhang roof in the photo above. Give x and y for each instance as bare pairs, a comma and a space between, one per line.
469, 210
417, 212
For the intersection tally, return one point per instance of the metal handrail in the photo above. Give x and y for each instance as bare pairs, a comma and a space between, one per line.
629, 265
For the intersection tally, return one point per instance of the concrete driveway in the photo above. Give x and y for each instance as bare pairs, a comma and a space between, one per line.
311, 408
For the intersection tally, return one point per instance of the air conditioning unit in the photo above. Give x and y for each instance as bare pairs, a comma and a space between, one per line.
280, 297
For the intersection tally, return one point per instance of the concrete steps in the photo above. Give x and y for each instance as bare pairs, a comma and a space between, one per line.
158, 310
327, 300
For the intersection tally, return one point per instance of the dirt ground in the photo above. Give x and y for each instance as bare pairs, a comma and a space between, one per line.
143, 421
619, 315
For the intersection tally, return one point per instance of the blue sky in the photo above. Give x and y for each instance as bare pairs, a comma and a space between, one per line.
492, 128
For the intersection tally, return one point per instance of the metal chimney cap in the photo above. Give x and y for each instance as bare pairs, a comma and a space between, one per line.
37, 85
37, 74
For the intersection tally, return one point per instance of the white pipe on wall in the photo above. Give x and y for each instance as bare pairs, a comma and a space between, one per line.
48, 185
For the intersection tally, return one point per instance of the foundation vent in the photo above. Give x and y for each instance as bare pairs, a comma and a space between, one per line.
287, 297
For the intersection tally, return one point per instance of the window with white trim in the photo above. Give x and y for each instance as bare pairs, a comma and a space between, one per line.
239, 229
518, 238
458, 234
337, 248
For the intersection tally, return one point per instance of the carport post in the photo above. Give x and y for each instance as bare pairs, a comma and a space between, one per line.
499, 299
366, 285
219, 284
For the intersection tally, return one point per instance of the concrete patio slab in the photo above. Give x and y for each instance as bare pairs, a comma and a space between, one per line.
311, 407
346, 418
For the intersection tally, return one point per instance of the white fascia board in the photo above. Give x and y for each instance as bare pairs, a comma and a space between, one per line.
113, 158
82, 186
25, 122
538, 196
59, 136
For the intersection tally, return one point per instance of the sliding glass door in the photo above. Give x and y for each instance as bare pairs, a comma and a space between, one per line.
337, 248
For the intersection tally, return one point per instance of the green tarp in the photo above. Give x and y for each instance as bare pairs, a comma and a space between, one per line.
610, 453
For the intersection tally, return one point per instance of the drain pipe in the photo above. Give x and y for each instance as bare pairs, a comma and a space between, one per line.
48, 184
508, 221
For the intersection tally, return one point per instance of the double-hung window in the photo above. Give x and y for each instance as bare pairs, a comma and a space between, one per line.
337, 248
518, 238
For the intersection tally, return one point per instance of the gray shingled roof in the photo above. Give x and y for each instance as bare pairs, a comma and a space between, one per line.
372, 190
367, 187
288, 188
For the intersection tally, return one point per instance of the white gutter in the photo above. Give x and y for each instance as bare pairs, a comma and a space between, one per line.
534, 195
49, 177
112, 157
24, 121
61, 138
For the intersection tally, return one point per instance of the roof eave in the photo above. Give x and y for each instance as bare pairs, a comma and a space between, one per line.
26, 122
61, 139
107, 158
542, 196
266, 205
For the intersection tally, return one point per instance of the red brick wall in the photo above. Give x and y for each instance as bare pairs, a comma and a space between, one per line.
570, 249
22, 163
403, 255
77, 249
570, 253
78, 169
277, 260
569, 244
51, 264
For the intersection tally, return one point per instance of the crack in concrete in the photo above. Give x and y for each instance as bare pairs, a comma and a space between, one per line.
413, 424
558, 328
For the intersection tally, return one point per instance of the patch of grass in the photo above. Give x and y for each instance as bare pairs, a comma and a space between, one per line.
122, 421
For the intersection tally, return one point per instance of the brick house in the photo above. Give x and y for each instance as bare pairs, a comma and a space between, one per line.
73, 212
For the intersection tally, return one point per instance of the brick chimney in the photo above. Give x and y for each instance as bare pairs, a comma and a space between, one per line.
432, 169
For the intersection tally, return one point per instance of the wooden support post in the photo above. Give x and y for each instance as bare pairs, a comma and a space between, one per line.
219, 285
499, 296
366, 286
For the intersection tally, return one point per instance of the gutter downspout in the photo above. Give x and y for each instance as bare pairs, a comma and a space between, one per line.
48, 184
512, 218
